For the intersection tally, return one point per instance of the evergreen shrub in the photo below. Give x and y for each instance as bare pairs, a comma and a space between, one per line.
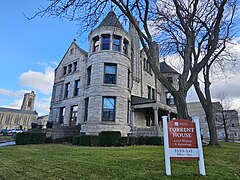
141, 140
131, 141
30, 138
124, 141
84, 140
154, 141
94, 140
110, 138
48, 140
76, 140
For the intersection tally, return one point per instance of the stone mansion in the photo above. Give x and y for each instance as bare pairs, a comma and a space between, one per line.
111, 87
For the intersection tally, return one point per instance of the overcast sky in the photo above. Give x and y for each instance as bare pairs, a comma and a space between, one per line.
31, 50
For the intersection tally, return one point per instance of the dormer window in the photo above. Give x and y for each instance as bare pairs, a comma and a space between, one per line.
169, 99
106, 42
170, 79
96, 44
116, 43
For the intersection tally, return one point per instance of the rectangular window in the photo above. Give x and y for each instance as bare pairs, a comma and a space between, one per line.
125, 46
71, 51
77, 88
129, 79
73, 119
75, 66
169, 99
67, 90
106, 42
89, 69
109, 104
110, 71
144, 64
128, 112
64, 70
69, 68
95, 44
170, 79
149, 92
148, 67
61, 115
86, 109
153, 93
116, 43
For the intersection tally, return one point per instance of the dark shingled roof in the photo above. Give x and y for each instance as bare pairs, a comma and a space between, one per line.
2, 109
140, 100
111, 20
164, 68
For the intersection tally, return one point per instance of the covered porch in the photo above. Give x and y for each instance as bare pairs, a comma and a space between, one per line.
146, 116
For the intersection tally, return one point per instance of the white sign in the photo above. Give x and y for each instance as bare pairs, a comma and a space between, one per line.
182, 141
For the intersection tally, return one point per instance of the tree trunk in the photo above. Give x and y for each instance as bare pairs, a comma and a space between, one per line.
207, 107
181, 104
211, 127
225, 129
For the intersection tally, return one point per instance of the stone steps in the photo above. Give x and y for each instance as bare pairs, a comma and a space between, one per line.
137, 132
59, 132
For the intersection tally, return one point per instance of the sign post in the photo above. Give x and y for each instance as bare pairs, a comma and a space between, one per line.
182, 141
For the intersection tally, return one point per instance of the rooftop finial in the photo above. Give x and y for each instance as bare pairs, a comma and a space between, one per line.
111, 5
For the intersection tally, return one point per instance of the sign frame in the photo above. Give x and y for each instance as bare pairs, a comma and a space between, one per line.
168, 150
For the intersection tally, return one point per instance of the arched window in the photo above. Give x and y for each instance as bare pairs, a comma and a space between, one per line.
30, 102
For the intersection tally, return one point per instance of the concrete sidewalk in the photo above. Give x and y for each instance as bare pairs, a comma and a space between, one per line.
11, 143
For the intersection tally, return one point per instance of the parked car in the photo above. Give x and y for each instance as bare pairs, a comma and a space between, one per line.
17, 130
6, 131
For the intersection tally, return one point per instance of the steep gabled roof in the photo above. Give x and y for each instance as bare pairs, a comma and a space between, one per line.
111, 20
164, 68
3, 109
80, 49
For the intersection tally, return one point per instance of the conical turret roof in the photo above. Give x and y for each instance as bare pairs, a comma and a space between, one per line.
111, 20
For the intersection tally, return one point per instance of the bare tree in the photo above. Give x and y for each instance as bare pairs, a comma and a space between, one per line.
190, 28
226, 117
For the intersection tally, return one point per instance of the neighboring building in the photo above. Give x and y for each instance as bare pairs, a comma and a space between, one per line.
195, 110
111, 87
15, 118
42, 121
229, 118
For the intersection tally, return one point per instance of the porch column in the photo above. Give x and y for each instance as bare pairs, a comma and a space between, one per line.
133, 118
155, 108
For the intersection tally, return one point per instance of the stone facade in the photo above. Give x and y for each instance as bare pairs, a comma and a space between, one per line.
15, 118
110, 88
42, 121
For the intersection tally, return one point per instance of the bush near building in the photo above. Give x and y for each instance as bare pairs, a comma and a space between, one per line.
30, 138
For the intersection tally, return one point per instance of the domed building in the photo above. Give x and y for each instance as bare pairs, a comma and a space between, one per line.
111, 87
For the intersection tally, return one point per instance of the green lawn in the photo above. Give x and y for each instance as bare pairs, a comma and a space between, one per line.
56, 161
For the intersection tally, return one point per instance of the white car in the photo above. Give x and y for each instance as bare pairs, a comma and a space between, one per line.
17, 130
